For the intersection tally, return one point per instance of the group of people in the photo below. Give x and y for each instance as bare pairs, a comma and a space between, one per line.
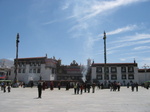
79, 87
5, 86
133, 85
114, 86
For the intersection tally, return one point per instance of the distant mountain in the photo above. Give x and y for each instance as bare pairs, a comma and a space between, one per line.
6, 63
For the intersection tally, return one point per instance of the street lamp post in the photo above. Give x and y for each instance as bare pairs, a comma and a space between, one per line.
16, 61
105, 59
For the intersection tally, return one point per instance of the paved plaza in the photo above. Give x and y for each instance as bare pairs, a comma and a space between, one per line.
25, 100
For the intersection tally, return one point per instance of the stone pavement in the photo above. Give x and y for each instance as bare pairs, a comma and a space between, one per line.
25, 100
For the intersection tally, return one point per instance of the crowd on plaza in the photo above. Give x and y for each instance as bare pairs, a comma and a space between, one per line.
78, 87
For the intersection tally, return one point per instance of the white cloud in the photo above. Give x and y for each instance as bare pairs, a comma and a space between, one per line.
133, 53
50, 22
121, 30
122, 59
65, 6
136, 37
126, 44
88, 9
79, 27
141, 48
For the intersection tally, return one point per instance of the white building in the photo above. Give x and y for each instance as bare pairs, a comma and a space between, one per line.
144, 75
119, 72
35, 68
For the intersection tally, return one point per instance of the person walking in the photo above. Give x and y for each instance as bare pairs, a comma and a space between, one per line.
8, 88
93, 87
118, 86
81, 88
4, 87
39, 90
75, 88
136, 85
51, 85
78, 88
132, 86
58, 86
88, 87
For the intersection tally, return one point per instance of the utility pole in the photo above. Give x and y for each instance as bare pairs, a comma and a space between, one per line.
16, 60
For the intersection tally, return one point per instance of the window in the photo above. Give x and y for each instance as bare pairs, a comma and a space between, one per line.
107, 69
130, 69
39, 64
113, 77
30, 64
113, 69
106, 77
99, 77
30, 71
53, 70
19, 64
19, 71
59, 78
23, 71
38, 70
72, 77
123, 69
123, 76
34, 70
130, 76
99, 69
35, 64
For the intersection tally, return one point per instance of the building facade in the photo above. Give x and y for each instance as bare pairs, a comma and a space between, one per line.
144, 75
34, 69
119, 72
50, 69
69, 72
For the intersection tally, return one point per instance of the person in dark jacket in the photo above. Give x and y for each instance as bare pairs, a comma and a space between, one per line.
93, 87
9, 88
132, 86
39, 90
136, 85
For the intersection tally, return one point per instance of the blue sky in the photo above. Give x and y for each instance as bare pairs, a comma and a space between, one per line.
73, 30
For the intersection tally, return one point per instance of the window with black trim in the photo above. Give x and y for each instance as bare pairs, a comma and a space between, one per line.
99, 69
38, 70
30, 71
107, 69
106, 77
34, 70
123, 76
19, 71
23, 71
99, 77
130, 69
113, 70
53, 70
113, 77
130, 76
123, 69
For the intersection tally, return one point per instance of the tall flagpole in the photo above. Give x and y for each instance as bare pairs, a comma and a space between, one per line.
105, 59
16, 60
